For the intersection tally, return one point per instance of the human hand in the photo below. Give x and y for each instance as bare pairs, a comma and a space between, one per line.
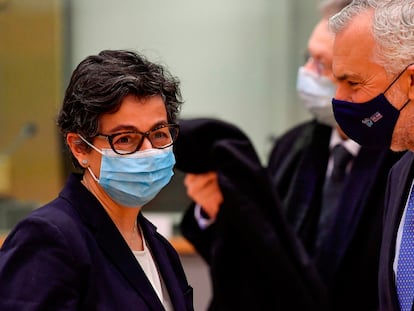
205, 191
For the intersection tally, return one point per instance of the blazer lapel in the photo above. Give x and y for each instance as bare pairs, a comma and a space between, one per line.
352, 204
112, 243
309, 174
156, 244
354, 197
123, 259
399, 188
400, 181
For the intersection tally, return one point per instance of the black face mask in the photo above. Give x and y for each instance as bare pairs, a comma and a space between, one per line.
370, 124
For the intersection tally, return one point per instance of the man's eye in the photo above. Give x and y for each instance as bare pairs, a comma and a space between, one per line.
351, 83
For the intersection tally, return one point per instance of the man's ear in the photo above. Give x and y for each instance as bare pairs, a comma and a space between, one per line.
410, 70
77, 146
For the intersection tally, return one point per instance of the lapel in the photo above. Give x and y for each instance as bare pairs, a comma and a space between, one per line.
164, 259
367, 167
399, 189
110, 240
397, 193
352, 204
308, 175
118, 252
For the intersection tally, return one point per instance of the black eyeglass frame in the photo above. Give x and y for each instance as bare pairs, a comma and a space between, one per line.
174, 134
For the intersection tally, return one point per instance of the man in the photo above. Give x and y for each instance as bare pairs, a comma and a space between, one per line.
342, 237
373, 105
256, 262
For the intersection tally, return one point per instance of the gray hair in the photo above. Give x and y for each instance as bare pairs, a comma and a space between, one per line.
392, 29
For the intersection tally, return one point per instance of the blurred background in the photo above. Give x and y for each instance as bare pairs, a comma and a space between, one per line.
237, 60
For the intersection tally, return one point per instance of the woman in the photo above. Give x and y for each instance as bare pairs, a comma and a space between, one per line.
91, 248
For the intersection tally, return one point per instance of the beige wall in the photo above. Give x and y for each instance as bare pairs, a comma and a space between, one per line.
237, 61
30, 91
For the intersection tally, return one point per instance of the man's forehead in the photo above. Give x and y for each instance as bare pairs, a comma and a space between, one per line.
320, 43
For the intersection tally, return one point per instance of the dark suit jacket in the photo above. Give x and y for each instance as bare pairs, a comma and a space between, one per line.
256, 262
68, 255
349, 262
401, 177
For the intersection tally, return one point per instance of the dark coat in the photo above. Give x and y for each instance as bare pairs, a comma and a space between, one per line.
349, 262
401, 177
256, 261
69, 255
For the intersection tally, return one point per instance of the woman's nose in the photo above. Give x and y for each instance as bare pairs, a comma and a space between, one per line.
146, 144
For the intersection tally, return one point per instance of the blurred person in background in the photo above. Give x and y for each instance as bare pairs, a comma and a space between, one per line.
334, 208
91, 248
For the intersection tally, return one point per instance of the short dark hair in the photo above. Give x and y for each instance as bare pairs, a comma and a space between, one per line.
100, 83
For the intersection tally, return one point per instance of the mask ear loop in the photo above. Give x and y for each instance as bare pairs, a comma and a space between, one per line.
406, 103
88, 167
92, 174
395, 80
89, 144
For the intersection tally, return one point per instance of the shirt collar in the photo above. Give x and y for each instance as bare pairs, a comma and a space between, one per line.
350, 145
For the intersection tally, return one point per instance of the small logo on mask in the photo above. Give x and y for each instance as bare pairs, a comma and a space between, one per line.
371, 120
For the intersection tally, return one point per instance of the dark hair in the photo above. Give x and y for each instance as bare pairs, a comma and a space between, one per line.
100, 83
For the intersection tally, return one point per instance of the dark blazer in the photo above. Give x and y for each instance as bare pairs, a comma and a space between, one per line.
400, 179
256, 262
69, 255
349, 262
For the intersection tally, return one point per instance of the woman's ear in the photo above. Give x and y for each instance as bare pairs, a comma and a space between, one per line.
77, 146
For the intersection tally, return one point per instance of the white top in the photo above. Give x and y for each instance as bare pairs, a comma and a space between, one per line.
147, 264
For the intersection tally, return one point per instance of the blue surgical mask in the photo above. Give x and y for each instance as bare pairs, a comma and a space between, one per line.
370, 124
316, 93
135, 179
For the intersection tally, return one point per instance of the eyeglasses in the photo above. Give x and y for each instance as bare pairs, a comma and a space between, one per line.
129, 142
319, 66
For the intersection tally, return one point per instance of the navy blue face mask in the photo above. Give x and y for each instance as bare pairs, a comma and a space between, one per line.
370, 124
